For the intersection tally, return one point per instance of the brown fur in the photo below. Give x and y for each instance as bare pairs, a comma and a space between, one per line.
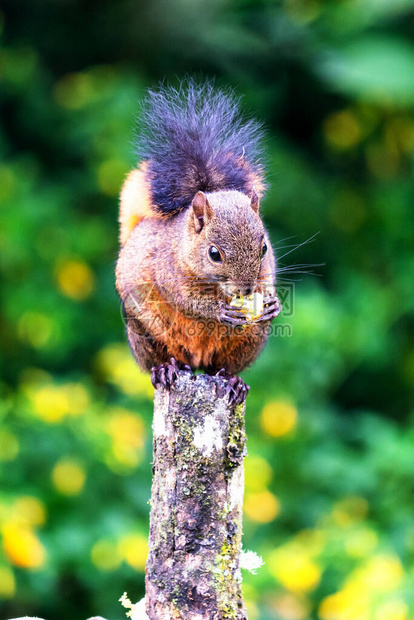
135, 202
170, 289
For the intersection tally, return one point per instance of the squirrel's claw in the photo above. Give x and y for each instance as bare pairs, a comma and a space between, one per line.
272, 308
165, 375
231, 315
236, 389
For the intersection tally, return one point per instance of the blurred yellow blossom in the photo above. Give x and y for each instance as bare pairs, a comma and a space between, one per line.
252, 609
342, 130
361, 542
349, 510
118, 366
257, 473
402, 131
262, 507
111, 174
50, 403
75, 279
7, 582
69, 477
78, 397
294, 568
134, 549
74, 90
22, 547
356, 600
312, 540
291, 607
105, 555
30, 510
35, 329
383, 159
53, 402
351, 603
381, 573
127, 432
394, 609
9, 446
278, 418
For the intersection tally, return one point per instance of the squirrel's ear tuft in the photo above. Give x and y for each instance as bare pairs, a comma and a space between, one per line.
201, 209
254, 201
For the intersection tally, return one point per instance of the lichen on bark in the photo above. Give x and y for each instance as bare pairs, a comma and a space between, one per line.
193, 568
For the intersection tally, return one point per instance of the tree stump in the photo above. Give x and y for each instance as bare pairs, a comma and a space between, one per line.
199, 441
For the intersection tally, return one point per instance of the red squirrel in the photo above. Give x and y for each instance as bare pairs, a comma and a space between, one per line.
195, 254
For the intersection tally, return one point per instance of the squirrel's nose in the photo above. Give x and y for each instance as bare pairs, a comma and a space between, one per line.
245, 290
241, 290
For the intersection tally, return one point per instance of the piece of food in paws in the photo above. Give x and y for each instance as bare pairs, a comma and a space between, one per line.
250, 305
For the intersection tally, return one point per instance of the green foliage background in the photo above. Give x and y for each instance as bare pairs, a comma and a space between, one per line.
330, 472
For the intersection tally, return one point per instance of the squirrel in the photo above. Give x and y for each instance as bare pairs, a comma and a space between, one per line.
193, 244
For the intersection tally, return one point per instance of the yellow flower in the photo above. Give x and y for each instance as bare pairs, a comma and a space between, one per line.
392, 610
257, 474
30, 511
252, 609
9, 446
127, 432
342, 130
78, 398
382, 573
292, 607
261, 507
351, 603
118, 366
105, 555
68, 477
50, 403
349, 510
35, 329
278, 418
134, 549
111, 174
74, 91
361, 542
7, 582
22, 547
293, 567
311, 540
75, 279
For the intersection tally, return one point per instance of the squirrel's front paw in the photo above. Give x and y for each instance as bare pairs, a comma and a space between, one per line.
231, 315
164, 375
236, 388
272, 308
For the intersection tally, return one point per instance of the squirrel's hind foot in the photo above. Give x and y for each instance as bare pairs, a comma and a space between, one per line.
165, 375
236, 388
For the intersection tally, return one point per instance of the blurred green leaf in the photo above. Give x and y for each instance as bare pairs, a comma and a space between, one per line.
378, 69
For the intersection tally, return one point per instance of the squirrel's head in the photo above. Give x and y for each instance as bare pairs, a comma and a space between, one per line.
226, 241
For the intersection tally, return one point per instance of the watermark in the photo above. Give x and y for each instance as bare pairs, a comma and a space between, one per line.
198, 315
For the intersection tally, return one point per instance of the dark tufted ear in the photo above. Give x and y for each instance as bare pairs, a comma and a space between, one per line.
254, 202
202, 210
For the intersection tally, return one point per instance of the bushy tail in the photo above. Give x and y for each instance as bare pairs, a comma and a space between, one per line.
194, 138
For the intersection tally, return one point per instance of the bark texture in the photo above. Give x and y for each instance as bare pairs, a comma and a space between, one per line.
193, 567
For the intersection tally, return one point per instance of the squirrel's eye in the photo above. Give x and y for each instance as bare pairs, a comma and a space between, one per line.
214, 254
264, 249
